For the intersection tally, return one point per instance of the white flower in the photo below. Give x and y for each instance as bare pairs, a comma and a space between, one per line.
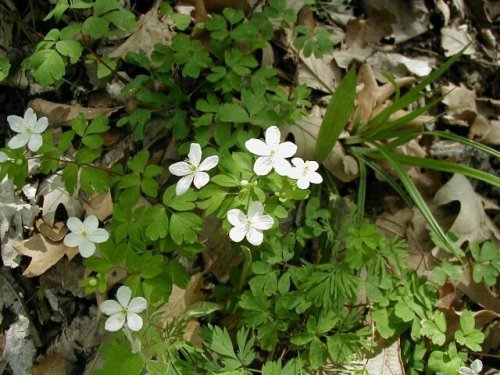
475, 368
193, 169
85, 235
272, 154
305, 173
3, 157
251, 225
29, 129
123, 311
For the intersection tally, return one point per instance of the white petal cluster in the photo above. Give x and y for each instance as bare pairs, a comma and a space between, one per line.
305, 173
29, 130
193, 169
273, 155
123, 311
250, 225
85, 235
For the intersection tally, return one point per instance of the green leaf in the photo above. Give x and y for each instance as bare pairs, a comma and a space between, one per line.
95, 27
317, 353
302, 338
157, 222
70, 177
93, 141
337, 115
87, 155
122, 19
70, 48
98, 125
104, 6
92, 178
211, 198
139, 161
183, 227
181, 21
4, 68
47, 67
149, 186
232, 113
120, 361
184, 202
225, 180
58, 10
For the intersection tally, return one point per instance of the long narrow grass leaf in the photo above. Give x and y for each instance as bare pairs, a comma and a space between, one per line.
362, 187
415, 196
337, 115
465, 141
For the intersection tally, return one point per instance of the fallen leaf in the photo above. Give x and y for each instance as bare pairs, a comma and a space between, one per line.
56, 233
484, 131
19, 351
152, 29
44, 253
54, 194
408, 19
15, 215
387, 362
100, 205
305, 132
50, 365
58, 113
472, 224
399, 65
461, 105
454, 39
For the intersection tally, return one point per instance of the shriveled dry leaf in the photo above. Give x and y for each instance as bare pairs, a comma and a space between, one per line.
44, 253
55, 233
305, 132
399, 65
408, 19
461, 104
59, 113
100, 205
484, 131
360, 38
54, 193
50, 365
479, 293
15, 214
472, 224
454, 39
152, 29
387, 362
19, 351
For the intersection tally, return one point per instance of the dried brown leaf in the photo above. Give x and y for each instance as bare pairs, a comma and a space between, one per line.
59, 113
44, 253
55, 233
100, 205
50, 365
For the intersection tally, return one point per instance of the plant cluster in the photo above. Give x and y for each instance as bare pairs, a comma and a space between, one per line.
314, 288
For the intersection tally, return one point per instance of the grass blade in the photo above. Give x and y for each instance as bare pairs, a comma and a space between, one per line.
337, 115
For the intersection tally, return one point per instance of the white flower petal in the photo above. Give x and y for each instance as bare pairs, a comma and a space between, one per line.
195, 154
312, 165
180, 169
41, 125
134, 321
3, 157
110, 307
19, 140
281, 166
303, 183
255, 237
256, 209
287, 149
273, 136
238, 233
75, 225
30, 117
298, 162
236, 217
263, 222
123, 295
35, 142
314, 177
137, 305
99, 235
16, 123
114, 322
263, 165
86, 248
257, 147
294, 173
91, 223
183, 184
72, 240
201, 179
209, 163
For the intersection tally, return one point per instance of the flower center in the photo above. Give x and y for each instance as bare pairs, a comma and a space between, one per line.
193, 168
248, 224
84, 234
306, 169
272, 153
